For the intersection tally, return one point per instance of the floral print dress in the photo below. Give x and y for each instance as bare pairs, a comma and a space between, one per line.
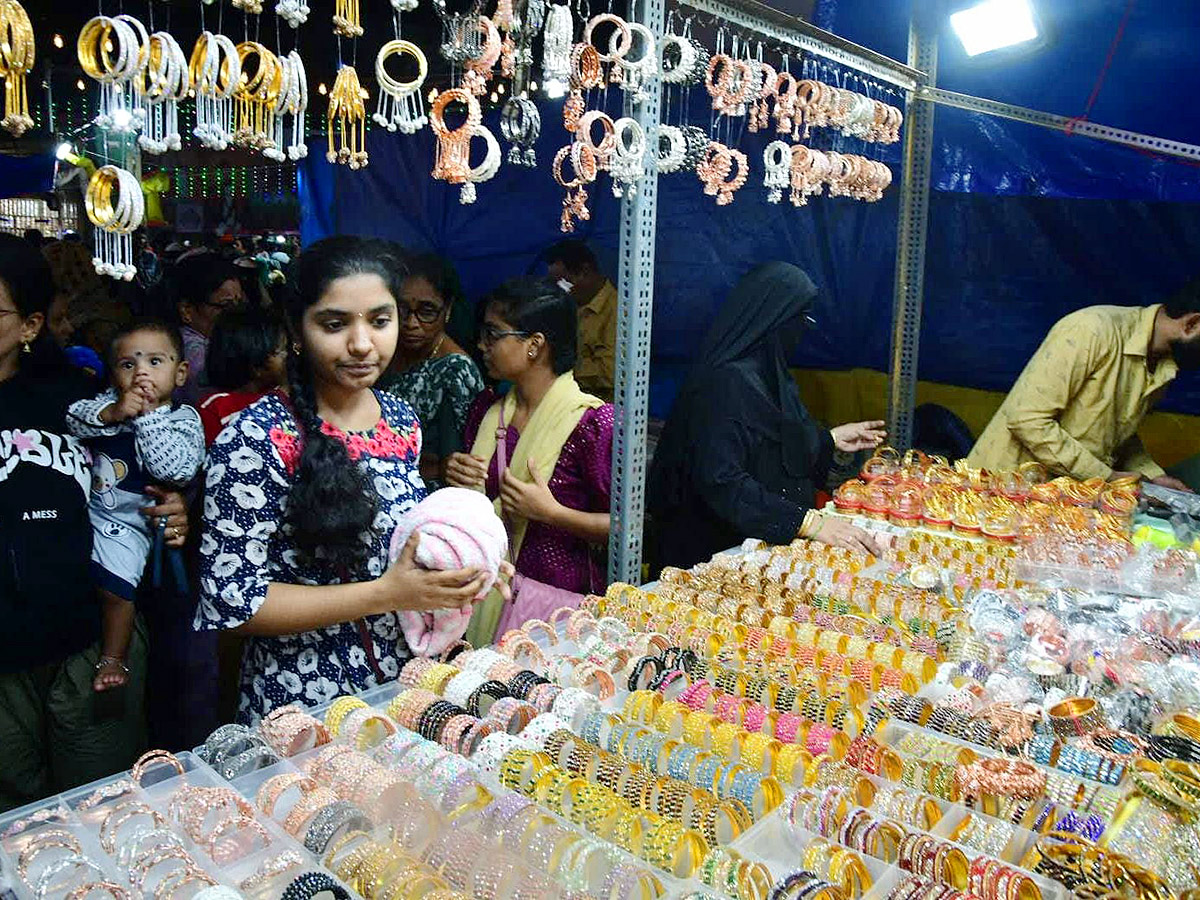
441, 392
245, 547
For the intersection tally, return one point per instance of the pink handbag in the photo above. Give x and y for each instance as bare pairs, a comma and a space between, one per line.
531, 599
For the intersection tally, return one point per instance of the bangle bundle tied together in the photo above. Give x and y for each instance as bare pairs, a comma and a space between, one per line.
161, 85
256, 98
126, 37
479, 66
635, 73
556, 44
401, 106
586, 73
627, 162
347, 116
216, 72
766, 78
583, 160
520, 125
17, 55
116, 206
452, 162
460, 34
620, 42
292, 103
717, 167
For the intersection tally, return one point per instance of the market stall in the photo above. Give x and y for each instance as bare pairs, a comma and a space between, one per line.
1005, 704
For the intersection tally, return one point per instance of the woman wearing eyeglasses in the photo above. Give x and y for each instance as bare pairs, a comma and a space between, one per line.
552, 475
204, 286
432, 373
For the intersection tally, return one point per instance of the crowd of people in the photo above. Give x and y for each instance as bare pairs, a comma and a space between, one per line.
200, 475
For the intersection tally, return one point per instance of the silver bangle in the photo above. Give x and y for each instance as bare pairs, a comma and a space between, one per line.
258, 757
277, 865
75, 861
329, 821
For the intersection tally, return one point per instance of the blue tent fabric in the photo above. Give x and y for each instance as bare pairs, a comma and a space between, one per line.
26, 174
1026, 224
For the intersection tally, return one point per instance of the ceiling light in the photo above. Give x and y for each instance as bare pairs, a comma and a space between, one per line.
994, 24
63, 150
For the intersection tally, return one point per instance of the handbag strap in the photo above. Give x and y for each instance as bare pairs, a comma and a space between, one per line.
501, 468
501, 443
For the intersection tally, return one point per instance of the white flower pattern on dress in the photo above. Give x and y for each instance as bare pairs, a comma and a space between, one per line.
243, 549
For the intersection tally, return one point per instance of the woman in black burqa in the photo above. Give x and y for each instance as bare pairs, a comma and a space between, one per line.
740, 456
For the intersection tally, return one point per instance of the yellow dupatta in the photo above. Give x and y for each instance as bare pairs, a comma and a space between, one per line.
548, 429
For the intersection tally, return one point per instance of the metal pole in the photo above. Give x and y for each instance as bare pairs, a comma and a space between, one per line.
636, 303
910, 239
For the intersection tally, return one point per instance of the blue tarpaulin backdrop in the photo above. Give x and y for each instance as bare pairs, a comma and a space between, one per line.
1025, 225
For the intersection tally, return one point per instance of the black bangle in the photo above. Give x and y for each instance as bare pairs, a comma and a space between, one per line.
524, 682
309, 884
639, 669
671, 657
1169, 746
492, 690
435, 717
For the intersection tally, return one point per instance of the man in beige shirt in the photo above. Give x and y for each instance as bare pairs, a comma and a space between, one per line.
1077, 406
573, 265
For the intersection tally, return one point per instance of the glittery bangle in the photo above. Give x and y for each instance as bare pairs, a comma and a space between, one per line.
543, 696
481, 699
271, 868
259, 757
524, 682
435, 718
329, 821
226, 741
512, 714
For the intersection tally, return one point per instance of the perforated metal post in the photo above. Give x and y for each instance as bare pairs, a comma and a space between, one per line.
910, 241
632, 382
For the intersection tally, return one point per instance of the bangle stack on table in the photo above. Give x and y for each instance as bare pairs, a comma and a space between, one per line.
788, 722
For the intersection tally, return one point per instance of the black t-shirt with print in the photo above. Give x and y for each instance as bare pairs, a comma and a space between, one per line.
48, 606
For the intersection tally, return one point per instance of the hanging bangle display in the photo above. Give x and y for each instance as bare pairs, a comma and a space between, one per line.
17, 55
401, 105
347, 117
521, 124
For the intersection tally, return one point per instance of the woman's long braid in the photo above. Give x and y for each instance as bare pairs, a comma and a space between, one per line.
329, 500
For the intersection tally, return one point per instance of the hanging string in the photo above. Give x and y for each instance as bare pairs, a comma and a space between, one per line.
1069, 128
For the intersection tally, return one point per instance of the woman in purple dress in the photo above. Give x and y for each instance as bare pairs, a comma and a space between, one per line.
555, 493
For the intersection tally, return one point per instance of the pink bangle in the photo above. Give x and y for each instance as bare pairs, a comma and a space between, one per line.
788, 726
820, 736
411, 674
697, 694
727, 706
357, 728
511, 714
146, 760
669, 679
456, 729
754, 716
290, 730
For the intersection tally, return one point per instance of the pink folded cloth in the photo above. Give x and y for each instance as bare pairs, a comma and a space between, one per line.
459, 530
